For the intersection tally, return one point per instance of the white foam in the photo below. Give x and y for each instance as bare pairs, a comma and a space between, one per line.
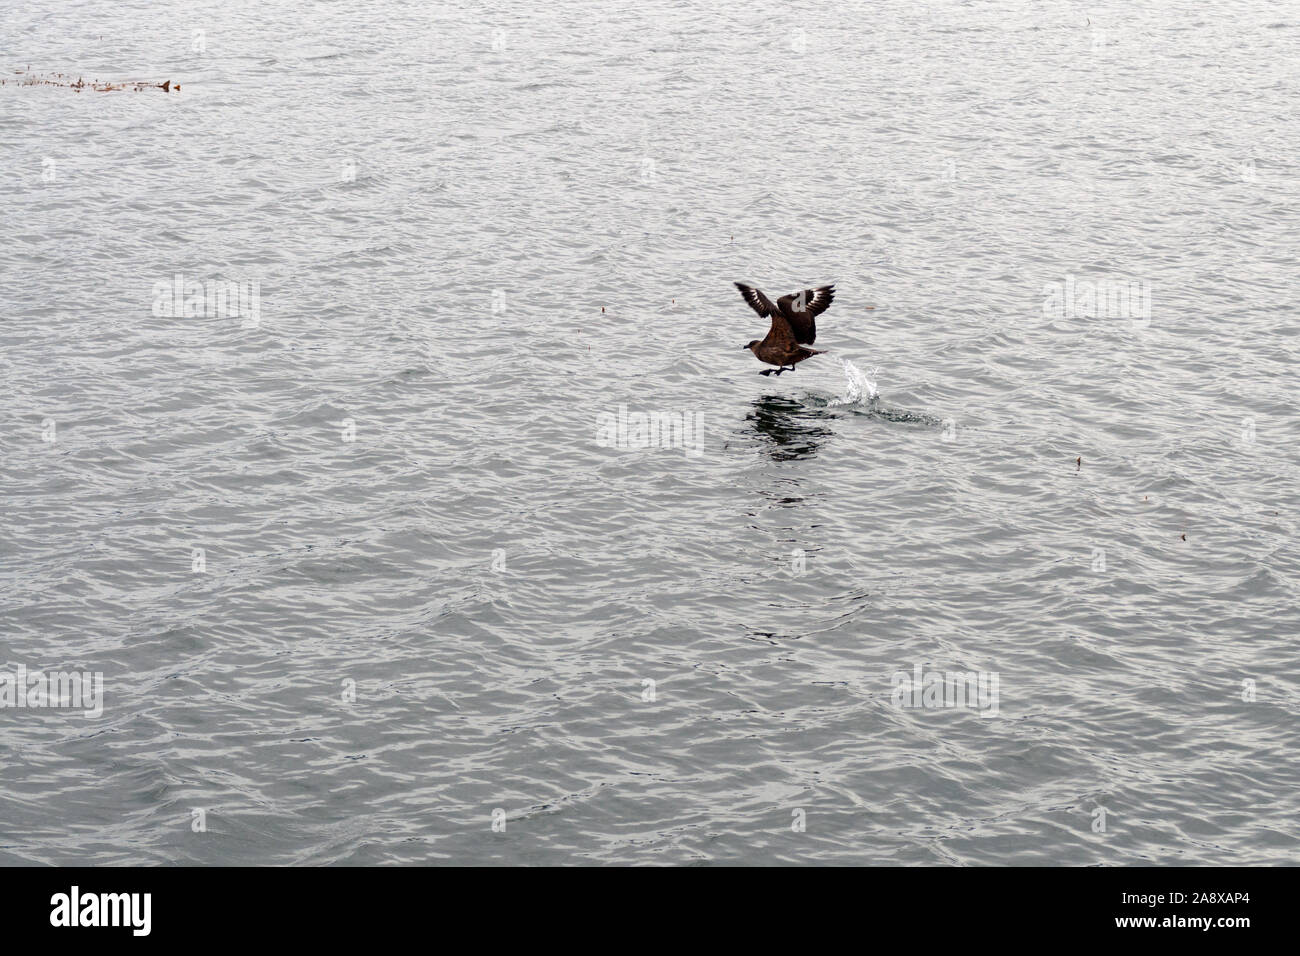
861, 389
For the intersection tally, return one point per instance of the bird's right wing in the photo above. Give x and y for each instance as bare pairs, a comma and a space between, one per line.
802, 309
813, 301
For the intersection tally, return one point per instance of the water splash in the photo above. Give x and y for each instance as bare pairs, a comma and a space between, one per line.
861, 388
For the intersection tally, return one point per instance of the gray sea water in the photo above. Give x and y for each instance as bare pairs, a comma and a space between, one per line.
476, 537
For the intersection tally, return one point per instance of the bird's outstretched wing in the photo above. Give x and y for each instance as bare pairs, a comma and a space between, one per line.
757, 301
801, 308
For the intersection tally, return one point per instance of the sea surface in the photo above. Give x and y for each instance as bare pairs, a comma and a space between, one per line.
461, 529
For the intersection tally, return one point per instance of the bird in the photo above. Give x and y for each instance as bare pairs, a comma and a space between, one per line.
793, 325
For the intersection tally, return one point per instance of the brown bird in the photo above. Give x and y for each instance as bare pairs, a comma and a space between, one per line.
793, 325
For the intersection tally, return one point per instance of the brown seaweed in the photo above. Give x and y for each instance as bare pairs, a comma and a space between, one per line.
80, 83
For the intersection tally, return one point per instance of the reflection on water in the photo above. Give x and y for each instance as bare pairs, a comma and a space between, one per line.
788, 429
791, 429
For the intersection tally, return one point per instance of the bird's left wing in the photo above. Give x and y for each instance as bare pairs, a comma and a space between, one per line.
757, 301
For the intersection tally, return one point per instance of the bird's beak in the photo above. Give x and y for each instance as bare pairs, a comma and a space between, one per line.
744, 346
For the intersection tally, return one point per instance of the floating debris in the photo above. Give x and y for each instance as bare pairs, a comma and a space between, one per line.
81, 83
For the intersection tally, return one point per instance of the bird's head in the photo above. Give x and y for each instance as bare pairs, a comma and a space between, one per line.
751, 344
